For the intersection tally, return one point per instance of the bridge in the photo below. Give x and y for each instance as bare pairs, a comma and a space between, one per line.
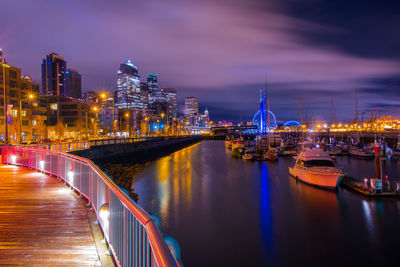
45, 201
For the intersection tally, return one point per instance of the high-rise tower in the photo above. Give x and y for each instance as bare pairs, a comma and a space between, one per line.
128, 87
53, 75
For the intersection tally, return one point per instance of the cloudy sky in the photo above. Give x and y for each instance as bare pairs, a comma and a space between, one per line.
221, 50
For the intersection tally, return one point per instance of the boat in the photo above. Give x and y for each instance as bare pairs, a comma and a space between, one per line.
228, 144
249, 153
361, 153
237, 152
271, 154
315, 167
286, 150
396, 152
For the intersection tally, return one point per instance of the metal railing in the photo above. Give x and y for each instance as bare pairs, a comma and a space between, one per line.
73, 145
132, 234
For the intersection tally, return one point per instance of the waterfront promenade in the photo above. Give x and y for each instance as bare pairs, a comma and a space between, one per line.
42, 221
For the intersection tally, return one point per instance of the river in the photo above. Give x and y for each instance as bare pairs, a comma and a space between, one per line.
229, 212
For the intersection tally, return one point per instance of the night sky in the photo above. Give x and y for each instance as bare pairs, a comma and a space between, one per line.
221, 50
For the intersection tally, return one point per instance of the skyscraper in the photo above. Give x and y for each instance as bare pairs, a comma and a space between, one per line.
53, 75
128, 87
191, 105
144, 92
74, 84
172, 101
152, 84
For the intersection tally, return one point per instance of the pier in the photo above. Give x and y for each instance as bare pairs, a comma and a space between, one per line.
43, 222
40, 188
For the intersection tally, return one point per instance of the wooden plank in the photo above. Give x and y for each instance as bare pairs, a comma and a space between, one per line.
42, 222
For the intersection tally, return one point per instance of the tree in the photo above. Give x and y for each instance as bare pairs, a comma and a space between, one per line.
60, 130
14, 129
78, 126
40, 129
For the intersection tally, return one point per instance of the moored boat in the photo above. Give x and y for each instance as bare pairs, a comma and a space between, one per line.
249, 153
361, 153
228, 144
315, 167
271, 154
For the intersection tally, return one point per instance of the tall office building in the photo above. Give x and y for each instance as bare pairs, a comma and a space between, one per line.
53, 75
128, 87
144, 93
152, 84
74, 84
91, 98
172, 101
191, 105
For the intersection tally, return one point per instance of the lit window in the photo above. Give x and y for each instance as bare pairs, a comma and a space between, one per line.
24, 113
34, 122
14, 113
53, 106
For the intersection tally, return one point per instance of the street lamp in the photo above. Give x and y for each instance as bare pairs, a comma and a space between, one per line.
28, 98
5, 103
94, 109
127, 123
104, 96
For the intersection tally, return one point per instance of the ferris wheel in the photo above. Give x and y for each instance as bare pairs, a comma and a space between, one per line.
270, 117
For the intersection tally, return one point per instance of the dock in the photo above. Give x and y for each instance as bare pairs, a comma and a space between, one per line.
42, 221
358, 186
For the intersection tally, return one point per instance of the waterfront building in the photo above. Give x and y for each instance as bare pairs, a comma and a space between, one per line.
107, 110
74, 84
128, 87
71, 118
152, 83
204, 119
91, 98
144, 94
26, 115
191, 105
54, 75
171, 98
225, 123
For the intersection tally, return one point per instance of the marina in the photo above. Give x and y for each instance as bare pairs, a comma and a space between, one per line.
256, 213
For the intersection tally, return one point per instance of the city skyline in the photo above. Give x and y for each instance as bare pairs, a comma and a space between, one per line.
323, 53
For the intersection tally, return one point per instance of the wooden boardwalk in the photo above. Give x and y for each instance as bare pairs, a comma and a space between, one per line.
42, 222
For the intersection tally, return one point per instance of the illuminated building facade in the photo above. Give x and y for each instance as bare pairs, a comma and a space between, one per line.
191, 105
91, 98
144, 94
54, 75
171, 100
128, 87
74, 84
152, 84
26, 114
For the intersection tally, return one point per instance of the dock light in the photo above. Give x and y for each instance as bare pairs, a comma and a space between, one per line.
70, 176
13, 159
104, 213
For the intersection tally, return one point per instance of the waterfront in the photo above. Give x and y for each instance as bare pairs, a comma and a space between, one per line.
230, 212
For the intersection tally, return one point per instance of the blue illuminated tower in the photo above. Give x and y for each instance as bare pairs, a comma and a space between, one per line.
263, 125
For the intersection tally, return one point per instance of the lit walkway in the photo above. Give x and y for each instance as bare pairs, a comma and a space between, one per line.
42, 222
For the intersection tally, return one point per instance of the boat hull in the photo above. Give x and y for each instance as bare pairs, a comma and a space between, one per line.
228, 145
236, 152
362, 156
319, 179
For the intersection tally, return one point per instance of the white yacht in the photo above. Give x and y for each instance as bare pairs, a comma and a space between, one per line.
315, 167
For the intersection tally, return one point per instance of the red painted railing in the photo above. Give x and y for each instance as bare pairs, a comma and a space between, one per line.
132, 234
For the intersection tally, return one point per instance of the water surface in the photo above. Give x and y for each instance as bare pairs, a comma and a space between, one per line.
229, 212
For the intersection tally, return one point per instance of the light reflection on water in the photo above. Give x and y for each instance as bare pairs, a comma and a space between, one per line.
230, 212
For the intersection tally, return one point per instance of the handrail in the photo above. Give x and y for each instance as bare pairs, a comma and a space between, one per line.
72, 145
129, 230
